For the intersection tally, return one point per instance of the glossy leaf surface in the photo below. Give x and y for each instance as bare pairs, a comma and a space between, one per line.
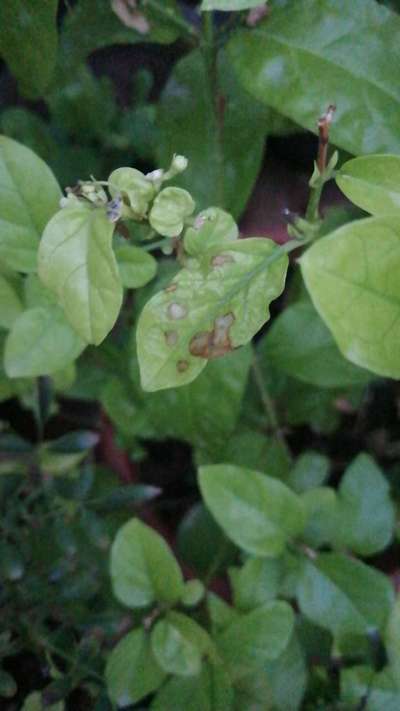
352, 277
372, 182
312, 38
76, 262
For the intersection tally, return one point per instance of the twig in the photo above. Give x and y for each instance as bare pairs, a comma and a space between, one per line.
268, 404
324, 124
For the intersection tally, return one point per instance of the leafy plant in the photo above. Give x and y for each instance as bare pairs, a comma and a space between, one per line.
134, 290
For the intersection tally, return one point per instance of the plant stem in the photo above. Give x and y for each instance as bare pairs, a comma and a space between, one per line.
317, 185
210, 51
268, 404
154, 245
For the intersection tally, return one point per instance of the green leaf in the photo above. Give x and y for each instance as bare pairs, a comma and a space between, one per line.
366, 513
40, 342
30, 129
76, 261
254, 450
92, 24
220, 172
310, 470
344, 596
28, 42
392, 641
178, 644
136, 266
205, 311
372, 182
29, 196
11, 306
228, 5
299, 344
256, 583
132, 671
34, 702
202, 544
209, 691
205, 412
258, 513
321, 504
287, 677
170, 209
143, 569
352, 278
134, 187
359, 683
217, 227
256, 637
312, 38
193, 593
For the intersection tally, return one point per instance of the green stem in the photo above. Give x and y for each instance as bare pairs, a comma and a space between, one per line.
154, 245
268, 403
312, 211
173, 17
210, 53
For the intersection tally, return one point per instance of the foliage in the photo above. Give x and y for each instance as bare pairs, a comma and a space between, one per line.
261, 580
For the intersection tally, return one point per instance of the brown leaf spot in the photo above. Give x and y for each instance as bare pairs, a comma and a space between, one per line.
221, 259
215, 343
176, 311
182, 365
172, 287
171, 338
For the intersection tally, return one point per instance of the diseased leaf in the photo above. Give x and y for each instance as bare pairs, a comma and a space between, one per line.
143, 569
132, 671
311, 38
299, 344
222, 168
256, 637
29, 196
372, 182
344, 596
210, 308
258, 513
136, 266
28, 42
40, 342
352, 277
77, 262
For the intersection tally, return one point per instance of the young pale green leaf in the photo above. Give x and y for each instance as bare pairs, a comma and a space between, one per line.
169, 211
344, 596
143, 569
11, 305
208, 311
28, 42
228, 5
77, 262
179, 643
209, 691
29, 196
134, 187
274, 60
256, 583
256, 637
132, 671
352, 277
222, 169
136, 266
40, 342
372, 182
299, 344
366, 513
215, 228
258, 513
